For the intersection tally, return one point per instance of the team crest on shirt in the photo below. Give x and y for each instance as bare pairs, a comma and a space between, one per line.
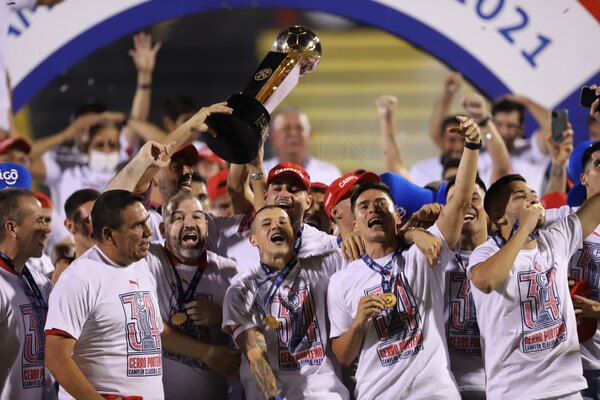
201, 333
299, 335
588, 267
399, 328
542, 323
144, 348
463, 330
32, 362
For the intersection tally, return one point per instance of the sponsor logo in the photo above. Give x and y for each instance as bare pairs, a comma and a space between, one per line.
10, 176
263, 74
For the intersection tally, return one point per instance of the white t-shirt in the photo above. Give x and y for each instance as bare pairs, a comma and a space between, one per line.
298, 351
43, 265
112, 312
462, 331
184, 377
527, 324
585, 264
426, 171
318, 170
404, 353
22, 337
229, 237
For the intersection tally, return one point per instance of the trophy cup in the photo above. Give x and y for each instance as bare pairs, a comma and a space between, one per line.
236, 137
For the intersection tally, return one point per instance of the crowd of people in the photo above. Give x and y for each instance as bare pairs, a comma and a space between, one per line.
154, 269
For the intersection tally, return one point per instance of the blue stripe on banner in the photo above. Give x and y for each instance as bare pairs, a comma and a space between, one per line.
368, 12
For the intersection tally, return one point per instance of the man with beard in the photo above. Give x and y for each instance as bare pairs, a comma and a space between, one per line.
23, 295
386, 308
104, 332
521, 274
191, 287
276, 312
316, 216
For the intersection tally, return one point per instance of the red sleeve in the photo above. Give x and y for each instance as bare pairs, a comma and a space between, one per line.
57, 332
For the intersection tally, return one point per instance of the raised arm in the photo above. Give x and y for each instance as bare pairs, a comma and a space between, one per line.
143, 55
451, 219
59, 361
392, 156
595, 108
152, 156
476, 107
560, 153
491, 273
441, 108
252, 343
247, 184
541, 115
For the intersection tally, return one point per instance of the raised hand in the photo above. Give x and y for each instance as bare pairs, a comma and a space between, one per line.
143, 53
468, 129
452, 83
386, 104
198, 122
475, 106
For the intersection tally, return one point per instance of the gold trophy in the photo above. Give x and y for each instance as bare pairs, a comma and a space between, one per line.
236, 138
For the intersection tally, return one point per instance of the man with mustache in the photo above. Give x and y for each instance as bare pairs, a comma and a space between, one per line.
520, 274
191, 287
23, 295
276, 313
387, 308
104, 331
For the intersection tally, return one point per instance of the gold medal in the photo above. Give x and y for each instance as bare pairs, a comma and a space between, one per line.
389, 300
178, 318
272, 322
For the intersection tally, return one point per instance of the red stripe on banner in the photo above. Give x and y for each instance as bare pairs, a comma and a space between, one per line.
593, 6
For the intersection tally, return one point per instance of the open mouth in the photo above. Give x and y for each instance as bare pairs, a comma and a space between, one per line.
190, 237
286, 205
277, 238
469, 216
375, 221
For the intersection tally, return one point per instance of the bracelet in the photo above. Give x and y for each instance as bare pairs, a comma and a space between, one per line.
257, 176
485, 120
473, 145
145, 86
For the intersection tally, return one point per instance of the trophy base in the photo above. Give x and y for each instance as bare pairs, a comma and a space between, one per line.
239, 134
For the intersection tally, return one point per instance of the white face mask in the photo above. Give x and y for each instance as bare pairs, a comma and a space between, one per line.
103, 162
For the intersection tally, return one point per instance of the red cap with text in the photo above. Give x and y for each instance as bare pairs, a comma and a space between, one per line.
342, 185
290, 169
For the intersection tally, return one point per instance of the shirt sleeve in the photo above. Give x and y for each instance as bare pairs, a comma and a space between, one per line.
340, 315
69, 305
480, 254
238, 315
564, 236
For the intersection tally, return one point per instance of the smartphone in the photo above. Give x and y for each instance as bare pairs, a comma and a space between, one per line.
560, 118
588, 96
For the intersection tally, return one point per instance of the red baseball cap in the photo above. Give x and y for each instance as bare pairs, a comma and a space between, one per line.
43, 199
342, 185
217, 185
15, 143
205, 153
290, 169
187, 153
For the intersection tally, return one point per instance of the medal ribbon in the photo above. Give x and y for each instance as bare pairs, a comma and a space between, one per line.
500, 242
31, 288
186, 296
385, 271
298, 242
274, 286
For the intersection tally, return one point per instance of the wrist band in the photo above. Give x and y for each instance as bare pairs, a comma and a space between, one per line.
473, 145
257, 176
144, 86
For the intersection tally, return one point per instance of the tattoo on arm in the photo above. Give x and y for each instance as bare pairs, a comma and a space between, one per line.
254, 345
